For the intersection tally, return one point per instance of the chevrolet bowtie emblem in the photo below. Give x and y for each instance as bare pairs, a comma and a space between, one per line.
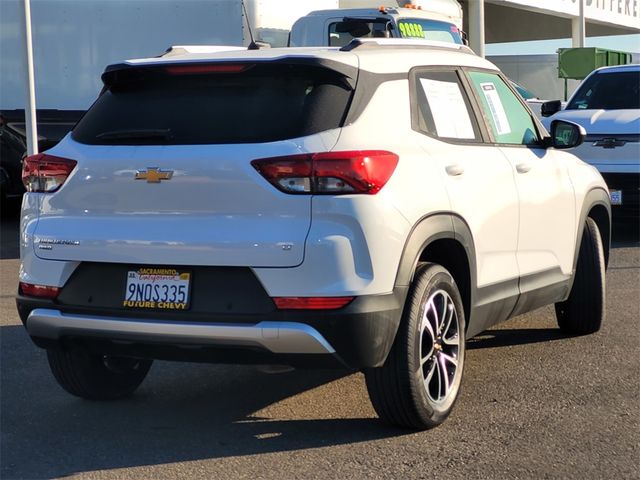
154, 175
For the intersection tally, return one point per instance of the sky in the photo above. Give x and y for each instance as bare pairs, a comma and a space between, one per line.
625, 43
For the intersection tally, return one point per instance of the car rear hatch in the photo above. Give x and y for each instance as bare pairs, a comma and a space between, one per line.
164, 174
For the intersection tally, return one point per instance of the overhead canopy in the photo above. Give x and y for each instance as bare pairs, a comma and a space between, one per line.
525, 20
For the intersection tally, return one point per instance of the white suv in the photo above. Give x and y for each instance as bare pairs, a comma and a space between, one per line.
607, 105
368, 207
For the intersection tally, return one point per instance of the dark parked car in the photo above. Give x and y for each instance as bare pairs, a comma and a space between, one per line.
53, 125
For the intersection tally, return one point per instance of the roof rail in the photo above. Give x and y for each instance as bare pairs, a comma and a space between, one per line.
402, 42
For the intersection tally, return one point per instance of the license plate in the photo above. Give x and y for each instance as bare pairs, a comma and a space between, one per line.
616, 197
157, 288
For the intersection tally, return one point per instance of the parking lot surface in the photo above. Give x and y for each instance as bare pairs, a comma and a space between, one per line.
534, 404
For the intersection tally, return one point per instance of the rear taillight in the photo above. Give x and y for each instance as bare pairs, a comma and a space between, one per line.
311, 303
41, 291
45, 173
335, 173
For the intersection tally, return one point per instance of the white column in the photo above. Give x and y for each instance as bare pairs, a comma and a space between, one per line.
476, 26
30, 107
578, 31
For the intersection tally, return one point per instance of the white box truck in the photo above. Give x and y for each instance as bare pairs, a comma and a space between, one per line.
437, 20
73, 41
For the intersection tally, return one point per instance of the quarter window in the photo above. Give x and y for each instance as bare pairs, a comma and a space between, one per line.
443, 107
508, 119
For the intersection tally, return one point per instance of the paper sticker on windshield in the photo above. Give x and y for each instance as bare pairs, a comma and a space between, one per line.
411, 30
495, 107
448, 109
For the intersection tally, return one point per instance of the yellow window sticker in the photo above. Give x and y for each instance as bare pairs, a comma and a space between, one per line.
411, 30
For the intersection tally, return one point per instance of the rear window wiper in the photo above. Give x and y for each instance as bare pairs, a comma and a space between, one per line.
146, 134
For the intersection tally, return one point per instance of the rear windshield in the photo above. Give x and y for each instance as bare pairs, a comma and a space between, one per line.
188, 106
608, 91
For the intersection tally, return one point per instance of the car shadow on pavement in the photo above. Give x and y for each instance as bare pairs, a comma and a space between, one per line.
183, 412
9, 246
625, 232
502, 337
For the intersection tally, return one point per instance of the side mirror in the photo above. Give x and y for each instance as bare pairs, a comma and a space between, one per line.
465, 37
566, 135
549, 108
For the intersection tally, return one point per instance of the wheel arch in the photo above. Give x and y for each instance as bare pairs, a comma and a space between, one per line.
445, 239
596, 206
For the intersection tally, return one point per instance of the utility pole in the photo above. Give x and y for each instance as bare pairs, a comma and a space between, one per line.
578, 31
30, 108
476, 26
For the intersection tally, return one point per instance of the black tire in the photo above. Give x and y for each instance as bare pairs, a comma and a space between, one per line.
407, 390
95, 376
584, 311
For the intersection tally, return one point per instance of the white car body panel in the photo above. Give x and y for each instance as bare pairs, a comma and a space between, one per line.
547, 216
495, 226
215, 210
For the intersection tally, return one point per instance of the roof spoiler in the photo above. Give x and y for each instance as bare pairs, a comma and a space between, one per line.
176, 50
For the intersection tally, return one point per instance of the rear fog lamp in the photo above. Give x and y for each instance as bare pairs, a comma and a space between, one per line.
311, 303
41, 291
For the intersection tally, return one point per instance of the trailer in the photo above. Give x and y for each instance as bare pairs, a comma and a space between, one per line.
73, 41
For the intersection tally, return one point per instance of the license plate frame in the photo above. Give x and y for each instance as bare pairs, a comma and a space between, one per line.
615, 196
158, 288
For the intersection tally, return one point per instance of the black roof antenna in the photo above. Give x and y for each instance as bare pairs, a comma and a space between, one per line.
253, 45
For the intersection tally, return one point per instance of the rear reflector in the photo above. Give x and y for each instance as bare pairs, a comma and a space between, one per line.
311, 303
45, 173
42, 291
202, 69
329, 173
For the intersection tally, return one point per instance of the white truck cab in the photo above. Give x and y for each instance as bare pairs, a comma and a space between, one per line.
440, 21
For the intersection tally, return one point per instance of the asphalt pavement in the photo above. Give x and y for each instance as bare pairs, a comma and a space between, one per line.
534, 405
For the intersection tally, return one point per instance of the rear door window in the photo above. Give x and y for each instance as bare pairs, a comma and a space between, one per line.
444, 110
243, 104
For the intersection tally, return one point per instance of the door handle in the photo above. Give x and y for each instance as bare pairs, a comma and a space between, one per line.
523, 167
454, 170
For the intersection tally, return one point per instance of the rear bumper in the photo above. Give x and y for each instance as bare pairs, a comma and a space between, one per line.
357, 336
276, 337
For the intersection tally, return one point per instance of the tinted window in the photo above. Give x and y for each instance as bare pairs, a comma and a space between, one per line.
524, 93
429, 30
264, 103
614, 91
443, 107
341, 33
508, 119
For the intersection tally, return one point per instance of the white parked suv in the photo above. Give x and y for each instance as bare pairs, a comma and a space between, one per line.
368, 207
607, 105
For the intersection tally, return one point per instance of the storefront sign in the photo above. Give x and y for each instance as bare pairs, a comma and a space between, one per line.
624, 13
